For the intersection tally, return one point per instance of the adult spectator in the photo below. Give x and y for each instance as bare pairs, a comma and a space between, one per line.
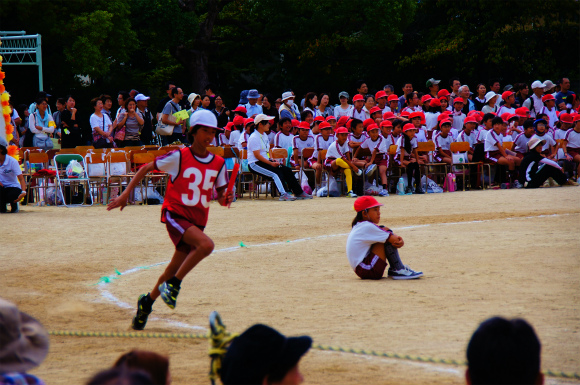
310, 103
243, 98
147, 129
133, 122
324, 108
155, 365
170, 108
252, 106
465, 94
168, 86
562, 96
490, 103
107, 105
479, 100
41, 125
522, 91
205, 102
121, 376
15, 121
12, 186
221, 113
504, 351
259, 161
43, 95
407, 89
56, 116
194, 102
133, 93
495, 86
71, 135
23, 130
269, 109
209, 91
534, 103
361, 87
389, 89
121, 100
433, 87
23, 345
261, 355
549, 87
454, 84
344, 109
101, 126
286, 110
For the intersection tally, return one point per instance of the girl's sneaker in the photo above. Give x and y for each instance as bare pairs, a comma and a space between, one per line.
169, 294
408, 190
351, 194
405, 273
370, 169
383, 193
140, 319
304, 196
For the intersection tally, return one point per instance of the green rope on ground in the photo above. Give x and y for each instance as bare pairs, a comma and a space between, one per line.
228, 337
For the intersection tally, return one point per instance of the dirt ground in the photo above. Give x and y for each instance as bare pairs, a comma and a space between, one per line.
514, 253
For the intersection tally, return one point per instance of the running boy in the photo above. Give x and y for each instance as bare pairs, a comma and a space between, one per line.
194, 172
369, 246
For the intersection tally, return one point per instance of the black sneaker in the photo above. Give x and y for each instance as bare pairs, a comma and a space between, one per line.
14, 208
419, 190
169, 294
140, 319
408, 190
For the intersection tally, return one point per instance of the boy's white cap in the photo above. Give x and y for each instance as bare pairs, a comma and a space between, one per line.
489, 96
204, 118
261, 117
537, 84
534, 142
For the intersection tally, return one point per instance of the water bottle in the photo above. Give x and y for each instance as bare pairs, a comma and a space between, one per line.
401, 186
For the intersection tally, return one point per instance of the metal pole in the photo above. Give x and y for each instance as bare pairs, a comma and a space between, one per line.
39, 61
3, 33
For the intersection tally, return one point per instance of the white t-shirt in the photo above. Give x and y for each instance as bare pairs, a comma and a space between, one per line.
492, 141
336, 151
360, 240
481, 135
223, 139
102, 123
362, 115
552, 116
548, 138
521, 143
321, 144
283, 141
463, 137
371, 145
441, 142
458, 121
257, 142
243, 138
45, 130
503, 109
573, 138
339, 111
431, 120
300, 144
234, 137
9, 171
360, 139
400, 143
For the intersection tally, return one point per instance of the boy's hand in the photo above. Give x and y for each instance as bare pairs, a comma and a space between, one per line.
226, 199
120, 201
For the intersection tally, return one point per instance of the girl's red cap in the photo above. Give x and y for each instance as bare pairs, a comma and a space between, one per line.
238, 120
358, 97
388, 115
228, 126
409, 126
295, 123
375, 109
248, 121
324, 125
372, 127
342, 121
330, 117
304, 125
434, 103
386, 123
393, 98
319, 119
368, 122
365, 202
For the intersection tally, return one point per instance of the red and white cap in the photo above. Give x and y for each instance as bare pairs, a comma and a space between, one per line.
304, 126
329, 118
386, 123
341, 130
358, 97
409, 126
458, 100
375, 109
261, 117
392, 98
506, 95
365, 202
324, 125
547, 97
380, 94
372, 127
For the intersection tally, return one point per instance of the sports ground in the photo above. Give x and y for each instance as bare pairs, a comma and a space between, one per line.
513, 253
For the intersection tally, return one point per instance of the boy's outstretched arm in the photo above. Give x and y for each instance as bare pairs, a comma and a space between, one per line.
121, 200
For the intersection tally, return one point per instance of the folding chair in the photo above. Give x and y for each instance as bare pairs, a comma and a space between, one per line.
430, 167
150, 146
68, 151
216, 150
84, 149
364, 153
117, 172
97, 174
139, 160
131, 158
242, 180
392, 164
37, 183
61, 162
338, 176
459, 147
131, 148
22, 150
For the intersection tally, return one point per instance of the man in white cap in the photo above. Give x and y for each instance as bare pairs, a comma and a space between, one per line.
433, 86
252, 107
286, 109
534, 103
147, 130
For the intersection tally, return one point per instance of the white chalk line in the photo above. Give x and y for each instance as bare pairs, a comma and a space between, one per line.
110, 297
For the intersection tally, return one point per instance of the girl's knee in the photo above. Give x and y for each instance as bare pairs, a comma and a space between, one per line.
206, 246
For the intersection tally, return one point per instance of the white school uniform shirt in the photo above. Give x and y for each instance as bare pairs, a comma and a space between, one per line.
360, 139
521, 143
400, 145
464, 137
360, 240
441, 142
321, 144
386, 144
549, 140
560, 134
458, 119
300, 144
551, 114
223, 139
367, 113
492, 141
431, 120
258, 141
271, 137
421, 134
503, 109
412, 109
243, 138
481, 135
339, 111
371, 145
234, 137
336, 151
283, 141
358, 115
9, 171
573, 138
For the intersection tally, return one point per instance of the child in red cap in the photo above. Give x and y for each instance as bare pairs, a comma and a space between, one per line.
370, 246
